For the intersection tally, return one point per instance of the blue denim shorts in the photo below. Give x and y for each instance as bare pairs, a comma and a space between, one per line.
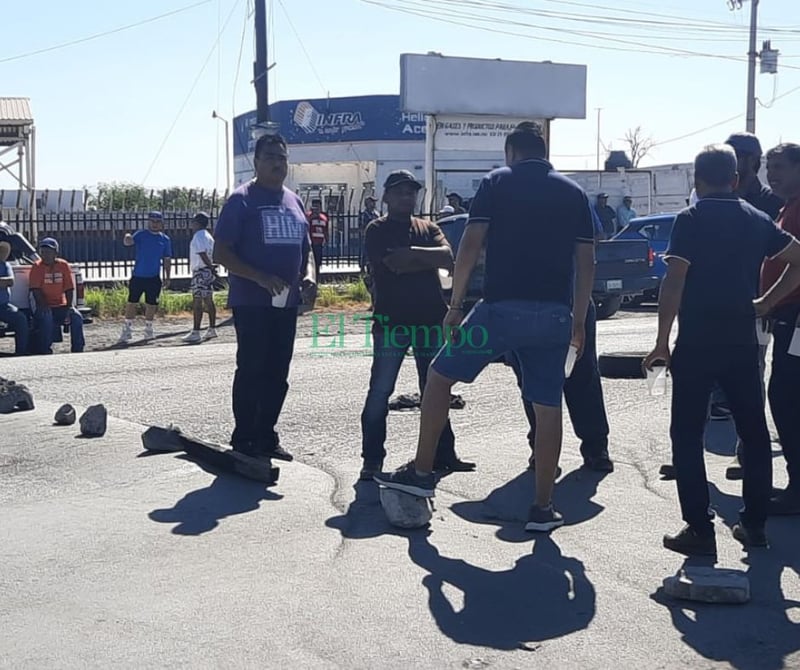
537, 333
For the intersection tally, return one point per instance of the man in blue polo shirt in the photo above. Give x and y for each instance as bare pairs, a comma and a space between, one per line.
152, 247
528, 314
262, 238
715, 252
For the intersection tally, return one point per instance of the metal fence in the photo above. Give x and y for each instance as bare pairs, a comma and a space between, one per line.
93, 240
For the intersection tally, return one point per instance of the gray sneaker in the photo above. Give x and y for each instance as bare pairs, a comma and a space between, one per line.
407, 480
543, 519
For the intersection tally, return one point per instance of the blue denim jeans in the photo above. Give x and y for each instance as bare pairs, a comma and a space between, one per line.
388, 352
18, 321
583, 393
536, 333
48, 320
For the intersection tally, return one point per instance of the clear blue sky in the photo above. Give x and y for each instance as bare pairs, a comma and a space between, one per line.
104, 107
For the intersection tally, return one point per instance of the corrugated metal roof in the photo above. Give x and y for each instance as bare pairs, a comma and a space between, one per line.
15, 110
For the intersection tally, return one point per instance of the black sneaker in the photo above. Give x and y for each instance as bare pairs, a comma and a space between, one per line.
370, 469
785, 503
279, 453
691, 543
543, 519
407, 480
719, 413
453, 464
599, 463
750, 536
667, 472
734, 470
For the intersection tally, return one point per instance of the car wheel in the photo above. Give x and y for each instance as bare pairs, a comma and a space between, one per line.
621, 365
608, 306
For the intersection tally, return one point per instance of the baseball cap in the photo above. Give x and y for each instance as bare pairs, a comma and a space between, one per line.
627, 197
400, 177
745, 143
602, 195
202, 217
48, 243
369, 197
447, 209
157, 216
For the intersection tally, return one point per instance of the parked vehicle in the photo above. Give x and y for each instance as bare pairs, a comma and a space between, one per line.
23, 256
623, 269
656, 229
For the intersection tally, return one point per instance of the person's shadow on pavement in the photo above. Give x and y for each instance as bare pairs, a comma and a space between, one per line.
201, 511
364, 517
762, 633
544, 596
507, 506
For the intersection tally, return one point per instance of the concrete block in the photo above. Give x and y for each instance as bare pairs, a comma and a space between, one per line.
405, 510
709, 585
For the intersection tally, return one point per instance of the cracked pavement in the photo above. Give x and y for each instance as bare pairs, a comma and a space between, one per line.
112, 558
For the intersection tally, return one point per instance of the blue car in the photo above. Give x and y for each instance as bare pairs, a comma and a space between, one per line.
656, 229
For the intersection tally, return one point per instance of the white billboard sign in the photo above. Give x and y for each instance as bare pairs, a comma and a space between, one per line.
473, 133
435, 84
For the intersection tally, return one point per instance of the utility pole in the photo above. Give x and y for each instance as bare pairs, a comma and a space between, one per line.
752, 56
260, 66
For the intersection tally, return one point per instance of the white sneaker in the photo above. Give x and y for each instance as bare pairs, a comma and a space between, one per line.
211, 333
127, 333
149, 333
192, 338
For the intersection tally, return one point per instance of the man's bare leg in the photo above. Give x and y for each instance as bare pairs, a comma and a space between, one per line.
197, 312
130, 311
211, 308
435, 409
547, 450
149, 312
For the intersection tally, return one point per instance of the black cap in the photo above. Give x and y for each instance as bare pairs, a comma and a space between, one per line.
202, 217
602, 195
400, 177
745, 143
627, 197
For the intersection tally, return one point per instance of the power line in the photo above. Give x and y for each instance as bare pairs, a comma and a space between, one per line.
303, 47
113, 31
445, 15
191, 91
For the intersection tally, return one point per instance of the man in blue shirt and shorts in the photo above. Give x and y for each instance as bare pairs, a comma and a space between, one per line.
530, 292
152, 246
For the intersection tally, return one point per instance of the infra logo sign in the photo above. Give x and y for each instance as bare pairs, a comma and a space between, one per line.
313, 122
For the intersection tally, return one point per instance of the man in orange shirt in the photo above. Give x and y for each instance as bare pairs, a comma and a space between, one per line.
783, 173
53, 288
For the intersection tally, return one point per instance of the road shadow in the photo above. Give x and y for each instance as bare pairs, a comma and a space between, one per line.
507, 506
763, 633
202, 510
544, 596
365, 518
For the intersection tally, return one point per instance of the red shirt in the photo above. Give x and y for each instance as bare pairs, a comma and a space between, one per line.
53, 280
788, 220
318, 225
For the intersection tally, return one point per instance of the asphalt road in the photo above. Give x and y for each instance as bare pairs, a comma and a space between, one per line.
113, 559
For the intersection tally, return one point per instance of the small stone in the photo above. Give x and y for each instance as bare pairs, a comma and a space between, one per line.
709, 585
65, 416
93, 421
405, 510
14, 397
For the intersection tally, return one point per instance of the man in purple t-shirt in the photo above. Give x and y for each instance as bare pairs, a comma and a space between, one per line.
262, 239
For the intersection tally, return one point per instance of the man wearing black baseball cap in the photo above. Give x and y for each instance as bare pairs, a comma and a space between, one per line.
748, 163
404, 254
